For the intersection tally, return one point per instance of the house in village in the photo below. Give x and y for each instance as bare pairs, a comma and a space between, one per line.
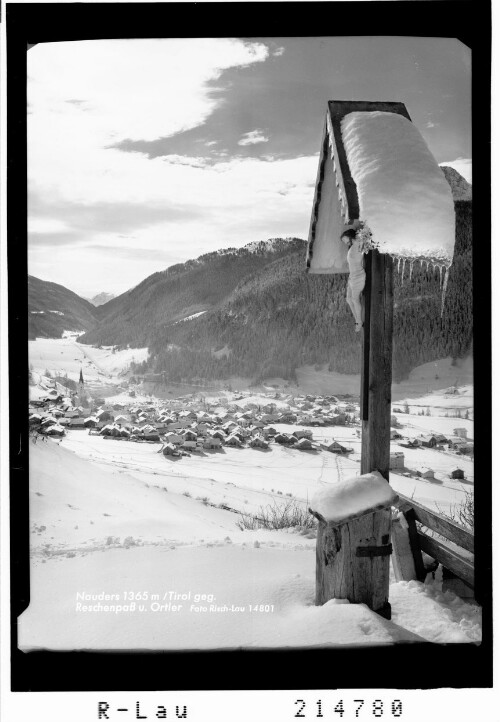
104, 415
212, 442
188, 445
172, 438
54, 430
427, 473
460, 432
233, 440
288, 418
259, 443
337, 448
303, 433
109, 430
71, 413
187, 414
269, 431
257, 424
269, 418
169, 450
414, 442
303, 444
282, 438
429, 440
466, 448
48, 421
457, 474
77, 423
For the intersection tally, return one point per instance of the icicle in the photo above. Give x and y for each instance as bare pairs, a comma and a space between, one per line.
443, 290
403, 269
440, 276
411, 268
399, 262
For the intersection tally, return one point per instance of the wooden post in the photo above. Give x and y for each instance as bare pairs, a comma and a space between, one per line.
353, 545
352, 561
376, 375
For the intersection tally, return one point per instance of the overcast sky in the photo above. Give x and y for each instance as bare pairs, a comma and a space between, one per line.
145, 153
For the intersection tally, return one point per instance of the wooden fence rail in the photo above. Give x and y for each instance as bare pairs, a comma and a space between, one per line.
453, 547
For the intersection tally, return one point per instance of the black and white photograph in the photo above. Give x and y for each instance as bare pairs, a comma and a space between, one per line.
252, 383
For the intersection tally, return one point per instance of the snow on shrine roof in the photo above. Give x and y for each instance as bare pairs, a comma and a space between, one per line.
353, 498
404, 197
375, 168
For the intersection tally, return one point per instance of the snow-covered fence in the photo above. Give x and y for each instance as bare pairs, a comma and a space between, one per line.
453, 547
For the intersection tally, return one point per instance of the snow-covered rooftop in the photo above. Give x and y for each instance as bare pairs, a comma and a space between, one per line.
403, 194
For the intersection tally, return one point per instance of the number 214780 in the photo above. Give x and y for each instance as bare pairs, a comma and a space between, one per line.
356, 708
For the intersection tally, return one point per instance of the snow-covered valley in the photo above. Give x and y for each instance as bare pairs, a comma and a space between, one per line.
131, 549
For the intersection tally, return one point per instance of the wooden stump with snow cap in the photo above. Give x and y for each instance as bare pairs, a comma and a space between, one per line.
353, 544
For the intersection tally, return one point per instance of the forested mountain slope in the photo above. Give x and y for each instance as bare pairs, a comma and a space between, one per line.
53, 309
278, 318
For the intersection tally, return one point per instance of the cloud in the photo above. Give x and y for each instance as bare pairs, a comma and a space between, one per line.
253, 137
136, 89
131, 254
91, 101
430, 124
278, 52
66, 221
48, 240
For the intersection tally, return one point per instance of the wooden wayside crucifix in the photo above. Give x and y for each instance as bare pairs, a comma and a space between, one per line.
377, 178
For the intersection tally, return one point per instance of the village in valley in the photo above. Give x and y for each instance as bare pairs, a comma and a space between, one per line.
169, 493
196, 423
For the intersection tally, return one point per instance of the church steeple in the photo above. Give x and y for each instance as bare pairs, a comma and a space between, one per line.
82, 396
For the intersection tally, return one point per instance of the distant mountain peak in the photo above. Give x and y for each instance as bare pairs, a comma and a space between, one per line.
101, 298
460, 188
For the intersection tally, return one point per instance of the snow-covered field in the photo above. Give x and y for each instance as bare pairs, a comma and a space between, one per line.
67, 356
121, 562
115, 524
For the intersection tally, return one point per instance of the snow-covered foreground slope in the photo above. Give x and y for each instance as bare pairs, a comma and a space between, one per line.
99, 529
